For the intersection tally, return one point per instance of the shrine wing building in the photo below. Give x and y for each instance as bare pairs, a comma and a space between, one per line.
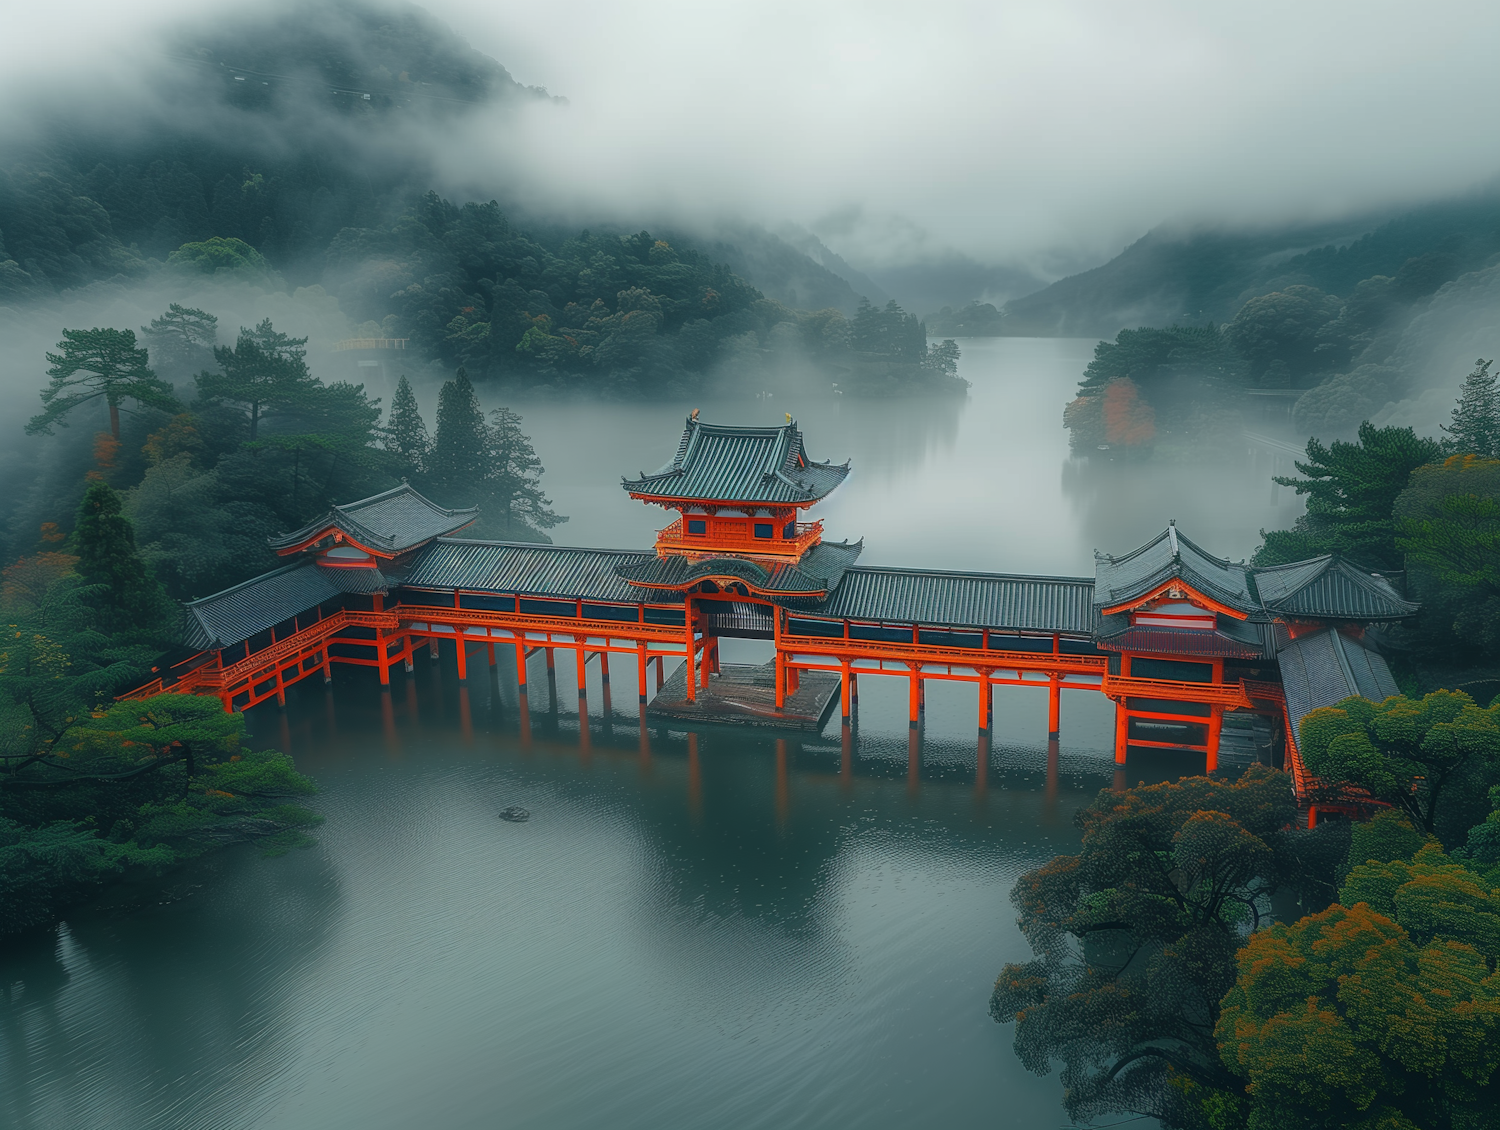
1199, 654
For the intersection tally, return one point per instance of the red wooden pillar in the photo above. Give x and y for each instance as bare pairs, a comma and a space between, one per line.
490, 647
604, 667
707, 664
463, 656
1054, 707
551, 661
853, 688
1215, 728
582, 657
383, 657
640, 671
914, 699
1122, 731
406, 653
432, 649
984, 701
661, 672
327, 665
844, 691
521, 666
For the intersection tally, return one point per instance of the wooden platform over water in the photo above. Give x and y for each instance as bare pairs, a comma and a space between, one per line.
742, 695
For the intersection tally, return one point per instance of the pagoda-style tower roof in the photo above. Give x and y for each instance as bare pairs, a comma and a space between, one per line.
728, 465
383, 525
1166, 562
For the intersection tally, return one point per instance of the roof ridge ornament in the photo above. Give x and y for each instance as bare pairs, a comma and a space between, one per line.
1172, 537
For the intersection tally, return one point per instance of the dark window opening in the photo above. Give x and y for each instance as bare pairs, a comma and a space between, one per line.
789, 531
765, 530
697, 526
1174, 669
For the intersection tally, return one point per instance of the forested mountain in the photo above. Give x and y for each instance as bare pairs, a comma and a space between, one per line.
1199, 277
297, 148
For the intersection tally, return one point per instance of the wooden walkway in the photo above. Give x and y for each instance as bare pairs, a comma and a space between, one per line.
742, 695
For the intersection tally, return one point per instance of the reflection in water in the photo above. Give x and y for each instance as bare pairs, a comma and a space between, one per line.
706, 927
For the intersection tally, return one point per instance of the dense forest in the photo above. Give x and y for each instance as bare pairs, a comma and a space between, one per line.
304, 161
1336, 345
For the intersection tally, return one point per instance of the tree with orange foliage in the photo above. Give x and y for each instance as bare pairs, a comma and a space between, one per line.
1383, 1011
1128, 420
1135, 937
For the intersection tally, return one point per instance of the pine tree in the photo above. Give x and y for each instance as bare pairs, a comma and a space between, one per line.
406, 434
95, 363
183, 335
459, 462
1476, 416
265, 371
517, 487
104, 542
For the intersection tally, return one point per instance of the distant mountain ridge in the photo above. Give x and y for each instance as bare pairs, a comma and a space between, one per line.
1204, 277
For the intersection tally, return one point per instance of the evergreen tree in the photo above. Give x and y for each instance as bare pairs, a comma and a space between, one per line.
460, 460
95, 363
406, 435
131, 601
1476, 417
517, 486
182, 335
264, 371
1351, 493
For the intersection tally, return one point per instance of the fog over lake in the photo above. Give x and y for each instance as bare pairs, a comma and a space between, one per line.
695, 928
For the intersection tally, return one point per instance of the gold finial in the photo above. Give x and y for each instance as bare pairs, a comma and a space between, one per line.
695, 414
788, 417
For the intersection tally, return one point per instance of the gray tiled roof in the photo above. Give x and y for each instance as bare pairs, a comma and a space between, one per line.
758, 465
236, 614
394, 521
1170, 555
1325, 668
819, 570
531, 569
1230, 638
977, 600
1329, 587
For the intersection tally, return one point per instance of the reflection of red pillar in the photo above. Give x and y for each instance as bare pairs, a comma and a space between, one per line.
691, 671
1122, 731
465, 716
1054, 708
1119, 782
1215, 728
913, 757
525, 712
846, 755
1052, 751
645, 745
783, 784
388, 722
982, 764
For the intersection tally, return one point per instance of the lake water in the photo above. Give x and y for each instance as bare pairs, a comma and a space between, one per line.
716, 928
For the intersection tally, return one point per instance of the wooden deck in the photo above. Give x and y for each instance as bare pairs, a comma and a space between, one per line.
742, 695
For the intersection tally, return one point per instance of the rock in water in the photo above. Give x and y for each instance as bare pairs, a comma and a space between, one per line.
515, 814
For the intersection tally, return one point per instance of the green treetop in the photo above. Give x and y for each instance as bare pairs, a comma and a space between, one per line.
1351, 492
264, 371
1406, 752
131, 601
1135, 936
182, 334
406, 434
517, 475
1476, 417
1382, 1012
99, 363
460, 458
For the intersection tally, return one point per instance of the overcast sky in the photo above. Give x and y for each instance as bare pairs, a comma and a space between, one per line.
1019, 130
